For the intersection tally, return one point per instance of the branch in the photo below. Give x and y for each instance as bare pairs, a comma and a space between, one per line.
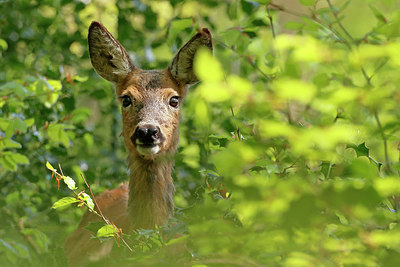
117, 232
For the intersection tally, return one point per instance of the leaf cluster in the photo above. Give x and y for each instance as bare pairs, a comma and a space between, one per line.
289, 147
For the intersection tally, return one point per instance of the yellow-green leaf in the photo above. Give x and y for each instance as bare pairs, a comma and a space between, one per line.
69, 182
106, 231
64, 202
48, 166
207, 67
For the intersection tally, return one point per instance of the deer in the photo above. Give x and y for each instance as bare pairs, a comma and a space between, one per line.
150, 106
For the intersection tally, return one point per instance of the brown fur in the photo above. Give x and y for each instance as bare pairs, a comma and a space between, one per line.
148, 199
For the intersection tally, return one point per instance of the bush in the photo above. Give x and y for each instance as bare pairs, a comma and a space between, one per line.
289, 147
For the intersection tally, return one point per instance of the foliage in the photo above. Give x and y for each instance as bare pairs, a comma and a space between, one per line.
289, 147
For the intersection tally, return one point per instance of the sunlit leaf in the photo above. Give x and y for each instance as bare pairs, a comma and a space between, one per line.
88, 200
106, 231
64, 202
69, 182
295, 90
387, 186
207, 67
3, 44
48, 166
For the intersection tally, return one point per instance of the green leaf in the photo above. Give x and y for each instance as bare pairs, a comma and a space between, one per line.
13, 87
178, 26
80, 78
64, 202
4, 123
19, 158
81, 114
15, 125
207, 67
88, 201
387, 186
57, 134
307, 2
69, 182
106, 231
7, 162
292, 89
29, 122
3, 44
361, 150
9, 143
321, 80
378, 14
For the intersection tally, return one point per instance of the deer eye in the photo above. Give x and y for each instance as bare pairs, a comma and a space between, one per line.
174, 101
126, 101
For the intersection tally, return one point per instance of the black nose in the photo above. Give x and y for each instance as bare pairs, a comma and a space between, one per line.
146, 134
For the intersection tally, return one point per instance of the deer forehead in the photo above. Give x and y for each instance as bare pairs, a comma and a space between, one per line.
143, 83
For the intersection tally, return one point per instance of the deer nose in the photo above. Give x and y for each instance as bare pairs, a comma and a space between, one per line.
146, 135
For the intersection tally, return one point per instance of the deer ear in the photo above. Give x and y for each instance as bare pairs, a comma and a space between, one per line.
181, 67
108, 56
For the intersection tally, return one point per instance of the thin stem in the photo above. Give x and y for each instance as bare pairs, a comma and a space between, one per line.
384, 141
291, 12
246, 58
378, 68
329, 170
366, 76
94, 199
271, 22
73, 191
313, 18
338, 21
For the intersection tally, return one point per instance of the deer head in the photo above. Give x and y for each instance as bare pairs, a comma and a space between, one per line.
150, 99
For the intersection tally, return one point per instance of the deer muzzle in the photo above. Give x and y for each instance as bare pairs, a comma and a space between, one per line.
147, 139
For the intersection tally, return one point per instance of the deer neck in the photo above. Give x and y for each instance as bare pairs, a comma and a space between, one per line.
151, 191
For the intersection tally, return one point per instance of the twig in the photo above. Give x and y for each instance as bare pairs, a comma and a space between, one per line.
338, 21
291, 12
269, 78
313, 18
73, 191
98, 207
102, 215
271, 22
94, 199
283, 172
378, 68
384, 141
366, 76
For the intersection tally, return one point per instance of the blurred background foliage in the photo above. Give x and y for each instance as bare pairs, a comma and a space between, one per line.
289, 148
